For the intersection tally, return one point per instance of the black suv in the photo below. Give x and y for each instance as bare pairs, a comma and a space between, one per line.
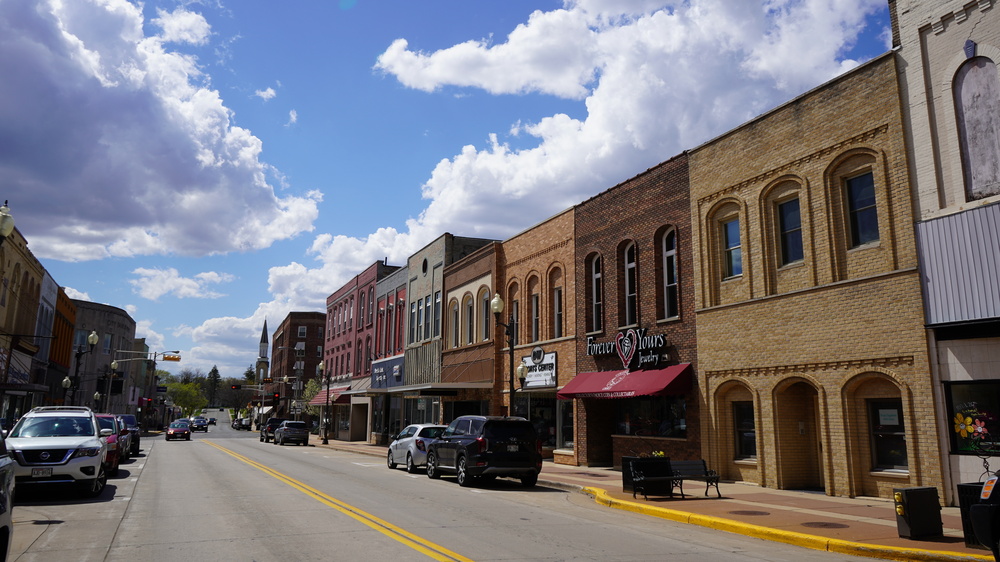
267, 430
475, 447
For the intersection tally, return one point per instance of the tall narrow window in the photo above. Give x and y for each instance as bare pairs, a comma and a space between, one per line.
486, 315
671, 307
790, 225
861, 209
437, 313
371, 303
400, 315
557, 313
888, 434
536, 313
390, 314
455, 324
733, 250
362, 302
515, 322
470, 321
596, 295
631, 286
427, 318
746, 434
413, 323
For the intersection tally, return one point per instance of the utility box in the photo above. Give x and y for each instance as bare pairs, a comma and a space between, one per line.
918, 512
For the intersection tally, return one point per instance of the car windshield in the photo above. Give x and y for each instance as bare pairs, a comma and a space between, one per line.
129, 419
178, 425
432, 432
52, 427
107, 423
296, 425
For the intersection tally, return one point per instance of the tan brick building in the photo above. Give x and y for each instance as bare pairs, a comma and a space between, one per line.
537, 285
812, 356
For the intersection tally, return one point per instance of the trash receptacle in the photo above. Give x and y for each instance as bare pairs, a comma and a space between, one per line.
968, 495
918, 512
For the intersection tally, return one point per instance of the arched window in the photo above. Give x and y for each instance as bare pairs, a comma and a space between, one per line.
732, 249
977, 106
556, 303
595, 294
455, 324
630, 286
470, 321
671, 296
371, 303
485, 310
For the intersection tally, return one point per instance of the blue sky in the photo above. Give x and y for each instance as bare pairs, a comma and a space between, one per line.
205, 165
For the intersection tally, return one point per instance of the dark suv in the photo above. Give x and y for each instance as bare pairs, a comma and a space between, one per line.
475, 447
267, 430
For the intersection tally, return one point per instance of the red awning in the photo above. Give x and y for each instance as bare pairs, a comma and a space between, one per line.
335, 397
675, 379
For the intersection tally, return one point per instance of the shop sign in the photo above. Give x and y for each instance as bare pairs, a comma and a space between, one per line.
387, 373
541, 369
636, 348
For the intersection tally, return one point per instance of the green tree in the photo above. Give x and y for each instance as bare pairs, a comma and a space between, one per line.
313, 387
249, 375
187, 396
212, 385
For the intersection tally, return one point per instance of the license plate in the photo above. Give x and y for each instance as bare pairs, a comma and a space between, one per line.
41, 472
512, 448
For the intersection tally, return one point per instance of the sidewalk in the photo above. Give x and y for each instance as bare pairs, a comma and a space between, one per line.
855, 526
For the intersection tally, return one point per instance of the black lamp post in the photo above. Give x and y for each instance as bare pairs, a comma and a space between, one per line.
71, 384
326, 413
496, 305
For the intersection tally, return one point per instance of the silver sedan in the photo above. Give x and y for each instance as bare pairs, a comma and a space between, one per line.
410, 445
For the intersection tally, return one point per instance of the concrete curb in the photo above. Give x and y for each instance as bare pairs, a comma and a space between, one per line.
788, 537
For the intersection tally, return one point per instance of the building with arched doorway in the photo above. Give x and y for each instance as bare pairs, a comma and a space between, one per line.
812, 354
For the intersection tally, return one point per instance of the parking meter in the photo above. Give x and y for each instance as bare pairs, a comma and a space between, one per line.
985, 515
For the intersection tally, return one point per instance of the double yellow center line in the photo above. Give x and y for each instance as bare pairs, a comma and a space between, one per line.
388, 529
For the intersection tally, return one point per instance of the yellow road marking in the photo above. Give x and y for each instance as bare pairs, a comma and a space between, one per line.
415, 542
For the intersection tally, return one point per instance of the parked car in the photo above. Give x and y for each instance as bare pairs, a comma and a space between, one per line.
60, 445
199, 424
235, 424
134, 432
178, 430
410, 445
115, 442
291, 432
267, 430
7, 476
246, 423
475, 447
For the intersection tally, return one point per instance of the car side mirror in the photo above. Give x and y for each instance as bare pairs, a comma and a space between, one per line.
107, 432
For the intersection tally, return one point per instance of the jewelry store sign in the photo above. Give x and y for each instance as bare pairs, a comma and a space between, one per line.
636, 348
541, 369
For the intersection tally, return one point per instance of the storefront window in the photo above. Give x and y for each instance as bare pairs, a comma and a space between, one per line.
973, 409
652, 417
564, 437
746, 434
888, 435
541, 412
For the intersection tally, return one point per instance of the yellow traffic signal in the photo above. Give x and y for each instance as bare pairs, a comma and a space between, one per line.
171, 357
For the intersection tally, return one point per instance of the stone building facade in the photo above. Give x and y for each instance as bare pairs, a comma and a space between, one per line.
813, 361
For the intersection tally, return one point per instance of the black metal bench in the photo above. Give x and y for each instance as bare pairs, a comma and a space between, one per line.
694, 470
652, 476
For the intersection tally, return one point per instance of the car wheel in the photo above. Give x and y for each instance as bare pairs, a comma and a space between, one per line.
529, 480
390, 462
188, 438
261, 438
276, 442
410, 467
93, 488
432, 471
462, 473
114, 470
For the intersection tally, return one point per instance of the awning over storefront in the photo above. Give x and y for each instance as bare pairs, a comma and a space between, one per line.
675, 379
336, 396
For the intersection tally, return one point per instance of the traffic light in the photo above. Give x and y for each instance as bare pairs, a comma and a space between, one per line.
237, 386
277, 396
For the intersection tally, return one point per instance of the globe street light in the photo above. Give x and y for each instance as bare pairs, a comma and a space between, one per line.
71, 384
496, 305
326, 413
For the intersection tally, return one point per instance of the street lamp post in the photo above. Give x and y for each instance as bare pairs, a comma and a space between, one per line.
320, 370
496, 305
71, 384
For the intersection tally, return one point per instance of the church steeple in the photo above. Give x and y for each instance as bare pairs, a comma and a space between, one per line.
262, 363
263, 341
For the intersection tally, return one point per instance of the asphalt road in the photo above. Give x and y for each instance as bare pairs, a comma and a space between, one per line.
225, 496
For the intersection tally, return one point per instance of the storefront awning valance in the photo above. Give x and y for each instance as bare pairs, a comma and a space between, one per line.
336, 396
675, 379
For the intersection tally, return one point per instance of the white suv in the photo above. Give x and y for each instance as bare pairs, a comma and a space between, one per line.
60, 445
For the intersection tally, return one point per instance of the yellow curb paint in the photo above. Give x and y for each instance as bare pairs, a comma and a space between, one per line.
813, 542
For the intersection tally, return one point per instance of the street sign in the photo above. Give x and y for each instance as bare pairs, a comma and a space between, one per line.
161, 389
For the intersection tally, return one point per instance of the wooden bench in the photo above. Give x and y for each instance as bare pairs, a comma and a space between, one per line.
694, 470
652, 476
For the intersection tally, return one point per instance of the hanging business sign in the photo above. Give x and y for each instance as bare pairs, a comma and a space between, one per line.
541, 369
387, 372
636, 348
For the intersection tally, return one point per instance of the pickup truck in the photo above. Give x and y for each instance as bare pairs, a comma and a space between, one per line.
267, 430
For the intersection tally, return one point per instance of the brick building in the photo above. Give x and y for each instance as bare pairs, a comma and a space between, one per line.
949, 52
537, 285
469, 346
635, 344
296, 352
387, 368
811, 349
